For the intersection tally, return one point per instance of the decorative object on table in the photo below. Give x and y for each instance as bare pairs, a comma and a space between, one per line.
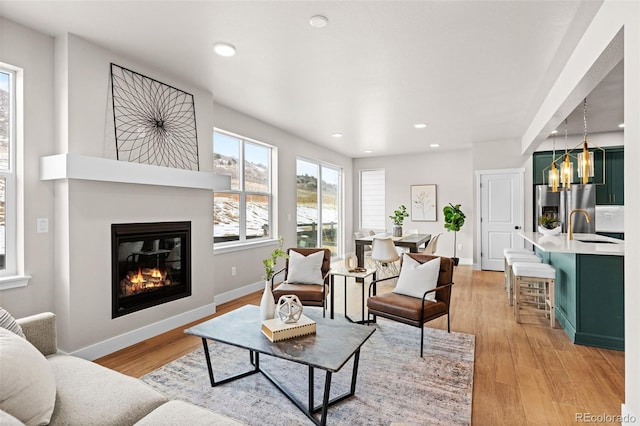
154, 123
453, 221
350, 261
398, 218
267, 302
549, 225
423, 203
276, 330
289, 309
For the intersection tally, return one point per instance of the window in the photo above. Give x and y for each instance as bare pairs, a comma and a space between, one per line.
372, 215
8, 261
245, 211
318, 206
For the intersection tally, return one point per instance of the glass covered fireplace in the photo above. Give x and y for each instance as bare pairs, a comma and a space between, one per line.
151, 264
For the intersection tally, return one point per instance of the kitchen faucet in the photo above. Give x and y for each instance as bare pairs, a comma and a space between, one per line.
586, 215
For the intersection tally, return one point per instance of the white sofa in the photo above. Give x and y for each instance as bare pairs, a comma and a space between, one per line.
89, 394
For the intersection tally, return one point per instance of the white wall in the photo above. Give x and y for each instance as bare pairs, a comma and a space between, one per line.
33, 52
87, 209
249, 262
451, 171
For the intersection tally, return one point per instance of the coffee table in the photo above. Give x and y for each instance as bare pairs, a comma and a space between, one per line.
334, 343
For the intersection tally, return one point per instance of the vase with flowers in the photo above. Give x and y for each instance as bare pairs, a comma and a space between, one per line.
267, 303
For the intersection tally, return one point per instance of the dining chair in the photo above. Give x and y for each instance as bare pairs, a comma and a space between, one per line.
432, 245
385, 255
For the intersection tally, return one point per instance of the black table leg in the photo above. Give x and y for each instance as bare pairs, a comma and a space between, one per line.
255, 370
332, 292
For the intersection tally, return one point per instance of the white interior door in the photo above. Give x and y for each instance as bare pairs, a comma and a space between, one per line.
501, 215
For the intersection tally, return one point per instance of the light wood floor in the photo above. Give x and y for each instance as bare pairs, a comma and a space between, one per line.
524, 373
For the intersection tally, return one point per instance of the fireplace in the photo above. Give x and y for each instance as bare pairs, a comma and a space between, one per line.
151, 265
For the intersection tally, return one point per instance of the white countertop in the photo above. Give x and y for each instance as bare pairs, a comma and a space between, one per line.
561, 244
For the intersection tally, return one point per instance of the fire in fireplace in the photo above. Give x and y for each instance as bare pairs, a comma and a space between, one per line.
151, 264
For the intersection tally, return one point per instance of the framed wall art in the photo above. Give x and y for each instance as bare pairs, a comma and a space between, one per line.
154, 123
423, 203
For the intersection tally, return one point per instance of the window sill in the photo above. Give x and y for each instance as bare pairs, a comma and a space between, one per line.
243, 246
14, 281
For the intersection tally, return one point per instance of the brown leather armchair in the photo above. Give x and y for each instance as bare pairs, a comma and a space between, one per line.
412, 310
309, 294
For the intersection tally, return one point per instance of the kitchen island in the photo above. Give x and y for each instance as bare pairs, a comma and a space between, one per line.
589, 286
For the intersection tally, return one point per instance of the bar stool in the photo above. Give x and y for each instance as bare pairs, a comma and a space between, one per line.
510, 258
534, 289
510, 250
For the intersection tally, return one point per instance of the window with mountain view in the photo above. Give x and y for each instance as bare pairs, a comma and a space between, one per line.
244, 212
318, 205
7, 170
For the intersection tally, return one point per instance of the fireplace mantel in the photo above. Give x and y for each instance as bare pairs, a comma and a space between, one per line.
72, 166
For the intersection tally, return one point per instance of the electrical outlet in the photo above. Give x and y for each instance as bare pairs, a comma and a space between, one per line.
42, 225
233, 271
460, 246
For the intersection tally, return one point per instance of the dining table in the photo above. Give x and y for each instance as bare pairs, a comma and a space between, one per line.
412, 241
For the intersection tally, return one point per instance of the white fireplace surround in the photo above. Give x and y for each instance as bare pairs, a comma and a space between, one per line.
72, 166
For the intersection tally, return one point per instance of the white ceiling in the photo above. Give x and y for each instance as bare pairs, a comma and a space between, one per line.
474, 71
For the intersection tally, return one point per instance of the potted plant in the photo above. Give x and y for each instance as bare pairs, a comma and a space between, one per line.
398, 218
267, 304
453, 221
549, 225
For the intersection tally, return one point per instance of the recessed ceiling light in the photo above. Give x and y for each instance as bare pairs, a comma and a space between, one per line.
621, 125
368, 151
318, 21
224, 49
435, 145
337, 135
420, 125
553, 132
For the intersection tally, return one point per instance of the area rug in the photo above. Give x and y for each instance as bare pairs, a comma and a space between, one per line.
394, 384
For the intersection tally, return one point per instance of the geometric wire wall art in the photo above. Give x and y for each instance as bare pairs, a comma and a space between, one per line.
154, 123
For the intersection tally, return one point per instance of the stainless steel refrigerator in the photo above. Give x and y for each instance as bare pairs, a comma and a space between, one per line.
560, 204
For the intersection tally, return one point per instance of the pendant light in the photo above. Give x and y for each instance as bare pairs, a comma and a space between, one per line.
554, 175
585, 158
566, 168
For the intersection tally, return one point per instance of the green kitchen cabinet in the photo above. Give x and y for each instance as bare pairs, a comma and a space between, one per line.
589, 297
612, 191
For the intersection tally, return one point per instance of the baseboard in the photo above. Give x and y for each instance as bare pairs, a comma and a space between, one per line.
465, 261
628, 418
238, 292
124, 340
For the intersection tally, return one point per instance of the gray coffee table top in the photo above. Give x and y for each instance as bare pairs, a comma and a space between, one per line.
329, 349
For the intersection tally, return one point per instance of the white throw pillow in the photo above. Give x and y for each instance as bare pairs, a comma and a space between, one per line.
28, 387
416, 278
305, 269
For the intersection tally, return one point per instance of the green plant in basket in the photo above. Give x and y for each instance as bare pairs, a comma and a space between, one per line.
548, 222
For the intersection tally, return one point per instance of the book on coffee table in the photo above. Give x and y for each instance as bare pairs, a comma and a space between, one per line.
277, 330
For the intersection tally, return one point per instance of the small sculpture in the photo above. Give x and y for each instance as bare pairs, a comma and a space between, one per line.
289, 309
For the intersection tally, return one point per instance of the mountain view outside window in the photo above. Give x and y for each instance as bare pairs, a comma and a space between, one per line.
318, 206
243, 212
